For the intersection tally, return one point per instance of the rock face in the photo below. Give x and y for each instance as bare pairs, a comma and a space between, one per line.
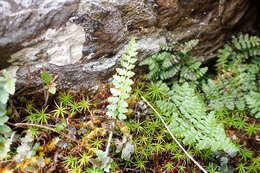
81, 40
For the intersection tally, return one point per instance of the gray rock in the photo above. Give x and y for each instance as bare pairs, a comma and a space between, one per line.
22, 22
81, 41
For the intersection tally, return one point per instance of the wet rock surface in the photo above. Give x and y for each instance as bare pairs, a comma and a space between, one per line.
81, 40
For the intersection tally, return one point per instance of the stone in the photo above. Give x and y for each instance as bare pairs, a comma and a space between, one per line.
81, 41
60, 47
23, 22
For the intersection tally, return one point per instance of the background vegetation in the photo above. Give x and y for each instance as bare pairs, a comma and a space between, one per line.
214, 115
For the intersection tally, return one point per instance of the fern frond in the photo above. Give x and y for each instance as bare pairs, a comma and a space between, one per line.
222, 94
122, 84
164, 75
174, 64
191, 122
238, 68
165, 47
224, 56
170, 61
245, 47
253, 102
188, 46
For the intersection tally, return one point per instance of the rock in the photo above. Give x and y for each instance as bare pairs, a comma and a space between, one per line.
23, 22
60, 47
81, 41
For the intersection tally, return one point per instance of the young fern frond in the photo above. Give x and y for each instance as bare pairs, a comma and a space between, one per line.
191, 122
122, 84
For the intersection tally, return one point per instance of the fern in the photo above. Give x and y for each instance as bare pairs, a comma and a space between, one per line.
222, 95
243, 48
118, 106
238, 68
248, 46
7, 87
174, 62
191, 122
122, 84
253, 101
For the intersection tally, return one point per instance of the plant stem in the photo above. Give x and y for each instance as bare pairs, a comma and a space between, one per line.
183, 149
43, 127
46, 96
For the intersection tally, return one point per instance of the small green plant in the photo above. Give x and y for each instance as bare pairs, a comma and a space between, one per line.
85, 159
140, 164
94, 169
169, 166
245, 154
122, 84
59, 111
171, 147
65, 98
38, 116
181, 168
48, 82
42, 116
49, 85
212, 168
236, 121
7, 87
32, 117
174, 63
156, 90
75, 107
71, 162
252, 129
85, 104
255, 165
241, 168
118, 106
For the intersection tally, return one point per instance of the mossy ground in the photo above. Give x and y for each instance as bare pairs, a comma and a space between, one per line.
78, 120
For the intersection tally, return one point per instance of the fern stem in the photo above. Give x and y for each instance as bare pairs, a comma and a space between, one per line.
166, 126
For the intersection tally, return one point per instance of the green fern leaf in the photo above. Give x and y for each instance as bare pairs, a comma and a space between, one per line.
191, 122
253, 101
171, 64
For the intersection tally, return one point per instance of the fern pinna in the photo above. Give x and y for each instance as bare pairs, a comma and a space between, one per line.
191, 122
175, 63
238, 69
